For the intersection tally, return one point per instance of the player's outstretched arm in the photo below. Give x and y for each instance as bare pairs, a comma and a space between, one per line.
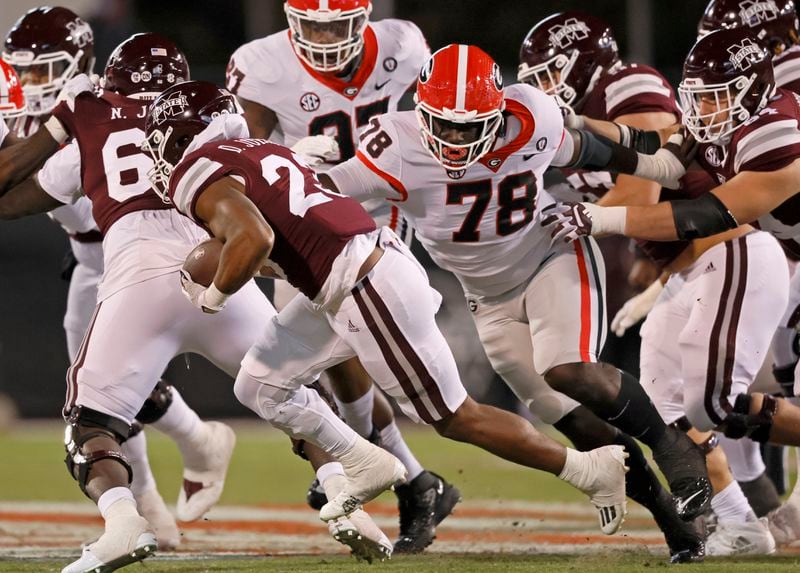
19, 160
247, 237
261, 120
25, 199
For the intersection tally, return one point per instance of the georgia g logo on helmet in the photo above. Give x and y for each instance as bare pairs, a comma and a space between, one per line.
740, 54
426, 71
754, 12
497, 76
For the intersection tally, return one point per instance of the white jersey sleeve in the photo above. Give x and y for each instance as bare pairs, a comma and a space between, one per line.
253, 74
377, 169
75, 218
60, 176
410, 48
4, 131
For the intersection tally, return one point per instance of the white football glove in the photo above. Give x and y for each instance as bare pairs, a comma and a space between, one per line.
73, 88
317, 149
210, 300
636, 308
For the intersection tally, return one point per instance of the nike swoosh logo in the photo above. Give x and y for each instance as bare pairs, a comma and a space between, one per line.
379, 86
440, 488
681, 505
526, 157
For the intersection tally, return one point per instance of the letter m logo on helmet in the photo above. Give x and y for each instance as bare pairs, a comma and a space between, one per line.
754, 12
742, 55
174, 106
572, 30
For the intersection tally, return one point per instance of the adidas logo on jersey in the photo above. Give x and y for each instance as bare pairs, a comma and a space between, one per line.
352, 327
710, 268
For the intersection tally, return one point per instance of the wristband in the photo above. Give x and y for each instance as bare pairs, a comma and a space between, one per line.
606, 220
56, 129
213, 298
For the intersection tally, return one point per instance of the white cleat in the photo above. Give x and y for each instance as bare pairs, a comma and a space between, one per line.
370, 470
203, 483
606, 488
784, 522
126, 540
151, 506
749, 538
364, 538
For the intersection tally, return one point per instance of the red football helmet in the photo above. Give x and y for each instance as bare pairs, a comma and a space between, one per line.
48, 46
174, 118
564, 54
12, 100
727, 79
144, 65
773, 22
459, 92
327, 34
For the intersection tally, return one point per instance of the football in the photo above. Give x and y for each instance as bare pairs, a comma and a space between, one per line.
202, 262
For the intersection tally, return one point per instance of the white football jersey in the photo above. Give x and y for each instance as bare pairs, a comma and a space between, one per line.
481, 223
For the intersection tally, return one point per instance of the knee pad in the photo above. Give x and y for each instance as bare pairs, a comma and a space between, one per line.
740, 423
84, 424
157, 403
262, 399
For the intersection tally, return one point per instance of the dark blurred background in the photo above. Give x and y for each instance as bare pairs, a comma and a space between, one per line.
33, 356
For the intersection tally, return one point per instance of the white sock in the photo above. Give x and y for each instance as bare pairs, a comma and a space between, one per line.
179, 422
116, 502
358, 414
731, 505
393, 442
332, 478
575, 471
135, 449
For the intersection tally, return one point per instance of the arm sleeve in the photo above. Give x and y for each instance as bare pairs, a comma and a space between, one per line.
60, 176
355, 179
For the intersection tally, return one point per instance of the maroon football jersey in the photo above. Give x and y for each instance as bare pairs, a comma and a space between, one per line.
109, 129
311, 224
767, 142
629, 89
787, 69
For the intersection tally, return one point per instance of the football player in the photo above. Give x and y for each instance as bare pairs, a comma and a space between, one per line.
574, 55
268, 208
49, 46
472, 188
775, 24
330, 73
748, 141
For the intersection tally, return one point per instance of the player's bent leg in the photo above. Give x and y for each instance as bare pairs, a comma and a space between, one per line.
427, 498
587, 431
748, 469
95, 460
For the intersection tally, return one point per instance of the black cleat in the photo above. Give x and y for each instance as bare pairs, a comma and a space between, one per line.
423, 504
315, 496
685, 540
684, 465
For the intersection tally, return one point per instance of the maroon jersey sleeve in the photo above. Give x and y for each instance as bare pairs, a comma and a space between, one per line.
787, 69
771, 140
311, 225
632, 88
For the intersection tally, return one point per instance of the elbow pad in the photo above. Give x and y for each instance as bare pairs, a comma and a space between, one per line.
598, 153
701, 217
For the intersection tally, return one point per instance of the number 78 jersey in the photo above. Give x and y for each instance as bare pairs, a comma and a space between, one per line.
481, 223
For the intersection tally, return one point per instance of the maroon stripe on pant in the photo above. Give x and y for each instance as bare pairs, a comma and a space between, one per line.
431, 388
716, 330
391, 360
730, 343
80, 359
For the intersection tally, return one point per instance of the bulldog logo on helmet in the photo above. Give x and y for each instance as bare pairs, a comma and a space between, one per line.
570, 31
754, 12
742, 54
169, 108
80, 32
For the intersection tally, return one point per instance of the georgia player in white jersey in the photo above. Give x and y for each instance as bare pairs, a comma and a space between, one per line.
471, 187
329, 74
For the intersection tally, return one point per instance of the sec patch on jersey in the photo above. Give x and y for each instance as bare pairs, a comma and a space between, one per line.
202, 262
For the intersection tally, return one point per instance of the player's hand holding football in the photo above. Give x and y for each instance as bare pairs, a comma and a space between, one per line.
317, 149
208, 299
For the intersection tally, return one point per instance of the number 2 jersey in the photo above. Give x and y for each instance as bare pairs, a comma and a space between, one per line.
481, 223
312, 226
268, 72
142, 236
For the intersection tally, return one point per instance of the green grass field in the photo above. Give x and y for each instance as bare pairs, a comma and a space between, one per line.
265, 472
